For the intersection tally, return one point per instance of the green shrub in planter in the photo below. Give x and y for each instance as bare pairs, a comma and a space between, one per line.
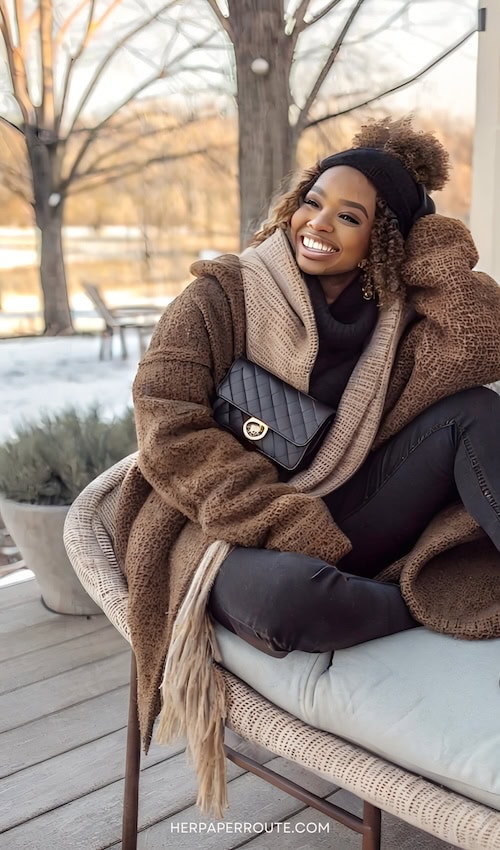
43, 468
51, 461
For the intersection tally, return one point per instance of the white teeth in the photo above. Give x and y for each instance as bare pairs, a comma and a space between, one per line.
318, 246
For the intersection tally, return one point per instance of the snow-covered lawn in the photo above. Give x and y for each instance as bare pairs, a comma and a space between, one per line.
48, 374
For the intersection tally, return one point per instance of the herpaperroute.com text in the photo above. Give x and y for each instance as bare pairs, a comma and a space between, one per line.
245, 827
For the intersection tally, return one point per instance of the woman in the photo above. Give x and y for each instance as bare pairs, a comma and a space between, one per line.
355, 292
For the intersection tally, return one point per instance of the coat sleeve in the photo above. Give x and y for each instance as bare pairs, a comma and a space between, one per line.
200, 469
454, 342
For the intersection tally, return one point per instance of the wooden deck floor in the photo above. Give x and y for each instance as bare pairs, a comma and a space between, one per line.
63, 710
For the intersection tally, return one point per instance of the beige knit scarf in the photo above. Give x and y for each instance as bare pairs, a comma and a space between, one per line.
282, 337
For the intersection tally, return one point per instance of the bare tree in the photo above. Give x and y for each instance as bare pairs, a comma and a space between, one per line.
56, 63
266, 36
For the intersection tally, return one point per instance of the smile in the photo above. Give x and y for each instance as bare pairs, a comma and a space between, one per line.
318, 246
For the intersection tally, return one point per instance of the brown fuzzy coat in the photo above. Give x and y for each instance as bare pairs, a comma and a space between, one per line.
195, 484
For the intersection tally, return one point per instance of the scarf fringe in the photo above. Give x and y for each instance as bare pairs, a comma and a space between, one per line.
192, 690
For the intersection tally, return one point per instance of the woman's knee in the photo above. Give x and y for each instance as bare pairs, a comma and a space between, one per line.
267, 588
479, 398
471, 405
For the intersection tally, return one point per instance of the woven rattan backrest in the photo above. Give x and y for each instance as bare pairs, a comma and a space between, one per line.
88, 537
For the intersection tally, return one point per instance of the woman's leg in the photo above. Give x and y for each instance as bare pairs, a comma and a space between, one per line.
281, 601
449, 452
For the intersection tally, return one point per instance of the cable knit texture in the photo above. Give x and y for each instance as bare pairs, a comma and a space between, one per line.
194, 483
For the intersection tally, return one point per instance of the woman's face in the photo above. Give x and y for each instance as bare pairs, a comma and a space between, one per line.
331, 228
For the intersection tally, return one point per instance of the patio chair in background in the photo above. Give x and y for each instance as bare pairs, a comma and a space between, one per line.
141, 317
88, 536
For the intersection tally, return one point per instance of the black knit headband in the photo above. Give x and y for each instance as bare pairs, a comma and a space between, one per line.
407, 199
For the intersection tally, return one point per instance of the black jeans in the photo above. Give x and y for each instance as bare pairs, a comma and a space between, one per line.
281, 601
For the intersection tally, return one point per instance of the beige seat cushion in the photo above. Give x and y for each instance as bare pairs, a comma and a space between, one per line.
425, 701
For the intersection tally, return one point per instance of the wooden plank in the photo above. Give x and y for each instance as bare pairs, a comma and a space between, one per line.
16, 594
93, 822
41, 664
66, 777
89, 680
38, 636
26, 614
29, 614
64, 730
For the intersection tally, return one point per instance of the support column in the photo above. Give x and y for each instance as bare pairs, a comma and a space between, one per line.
485, 208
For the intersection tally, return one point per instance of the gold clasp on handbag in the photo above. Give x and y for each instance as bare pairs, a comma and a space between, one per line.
254, 429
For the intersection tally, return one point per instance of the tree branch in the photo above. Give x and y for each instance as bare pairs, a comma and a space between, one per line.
69, 68
224, 22
109, 56
134, 168
129, 141
15, 183
385, 26
32, 22
63, 29
47, 65
298, 19
11, 125
321, 14
396, 88
20, 23
301, 123
94, 131
162, 74
16, 65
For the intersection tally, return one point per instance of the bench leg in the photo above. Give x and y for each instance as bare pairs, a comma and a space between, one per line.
372, 822
132, 767
123, 344
142, 341
106, 344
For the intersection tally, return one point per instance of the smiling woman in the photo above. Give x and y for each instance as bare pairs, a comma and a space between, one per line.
357, 294
330, 233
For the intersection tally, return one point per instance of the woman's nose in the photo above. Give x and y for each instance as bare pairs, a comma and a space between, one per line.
321, 222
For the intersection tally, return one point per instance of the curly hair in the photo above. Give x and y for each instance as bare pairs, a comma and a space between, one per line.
426, 160
420, 152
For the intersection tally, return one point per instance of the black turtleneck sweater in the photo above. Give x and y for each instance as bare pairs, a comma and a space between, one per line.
343, 330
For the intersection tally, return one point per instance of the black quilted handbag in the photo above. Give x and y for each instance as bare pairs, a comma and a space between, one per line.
271, 416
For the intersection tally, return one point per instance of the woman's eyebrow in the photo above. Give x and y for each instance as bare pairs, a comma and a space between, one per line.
354, 204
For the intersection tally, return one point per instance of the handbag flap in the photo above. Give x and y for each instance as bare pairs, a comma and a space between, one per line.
292, 414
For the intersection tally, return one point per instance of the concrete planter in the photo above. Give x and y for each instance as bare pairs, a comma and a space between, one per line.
38, 533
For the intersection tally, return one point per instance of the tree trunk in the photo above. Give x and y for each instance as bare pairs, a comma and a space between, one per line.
49, 206
53, 274
266, 144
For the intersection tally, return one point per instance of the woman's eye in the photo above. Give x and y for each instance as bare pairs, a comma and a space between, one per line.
349, 218
310, 202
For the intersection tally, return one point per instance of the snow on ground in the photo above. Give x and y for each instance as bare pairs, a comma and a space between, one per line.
48, 374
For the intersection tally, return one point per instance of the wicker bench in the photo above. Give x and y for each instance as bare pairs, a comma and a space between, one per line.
382, 785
